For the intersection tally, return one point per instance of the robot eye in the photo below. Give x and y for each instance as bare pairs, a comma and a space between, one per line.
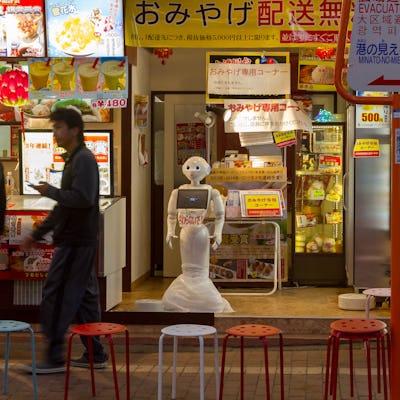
197, 167
187, 167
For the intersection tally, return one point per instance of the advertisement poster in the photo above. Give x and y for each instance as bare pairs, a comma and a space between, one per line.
372, 116
141, 106
82, 28
41, 159
190, 141
16, 263
88, 78
22, 28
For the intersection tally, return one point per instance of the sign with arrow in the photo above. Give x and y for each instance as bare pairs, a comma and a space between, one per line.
374, 60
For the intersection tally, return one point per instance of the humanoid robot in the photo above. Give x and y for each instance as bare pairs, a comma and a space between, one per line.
193, 290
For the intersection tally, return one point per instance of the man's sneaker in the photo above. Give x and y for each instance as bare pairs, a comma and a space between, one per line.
83, 362
46, 368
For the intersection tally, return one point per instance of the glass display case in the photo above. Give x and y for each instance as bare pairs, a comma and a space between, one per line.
318, 213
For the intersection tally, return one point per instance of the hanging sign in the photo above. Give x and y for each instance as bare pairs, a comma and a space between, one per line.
266, 116
366, 148
231, 24
284, 139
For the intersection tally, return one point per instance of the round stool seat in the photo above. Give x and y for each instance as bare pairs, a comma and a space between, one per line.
378, 292
13, 326
188, 330
98, 328
251, 330
358, 326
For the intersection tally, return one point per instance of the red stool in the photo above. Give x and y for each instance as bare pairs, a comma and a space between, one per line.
253, 331
99, 329
356, 330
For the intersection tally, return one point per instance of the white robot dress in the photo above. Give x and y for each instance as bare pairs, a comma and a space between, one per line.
193, 290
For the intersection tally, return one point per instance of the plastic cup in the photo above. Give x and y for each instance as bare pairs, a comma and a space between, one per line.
64, 73
89, 76
113, 71
39, 73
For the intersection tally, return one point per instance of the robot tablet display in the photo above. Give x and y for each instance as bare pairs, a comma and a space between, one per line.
193, 290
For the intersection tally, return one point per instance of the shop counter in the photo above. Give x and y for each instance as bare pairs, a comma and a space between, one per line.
22, 272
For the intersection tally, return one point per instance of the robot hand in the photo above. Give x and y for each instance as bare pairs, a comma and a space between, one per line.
217, 239
169, 238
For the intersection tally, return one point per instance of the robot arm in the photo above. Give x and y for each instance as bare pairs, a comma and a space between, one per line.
171, 218
219, 211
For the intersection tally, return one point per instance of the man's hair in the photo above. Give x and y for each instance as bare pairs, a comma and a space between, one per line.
71, 117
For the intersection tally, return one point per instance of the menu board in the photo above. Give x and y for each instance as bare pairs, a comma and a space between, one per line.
21, 28
80, 28
40, 159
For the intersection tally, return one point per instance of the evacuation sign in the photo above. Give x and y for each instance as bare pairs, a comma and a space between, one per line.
374, 61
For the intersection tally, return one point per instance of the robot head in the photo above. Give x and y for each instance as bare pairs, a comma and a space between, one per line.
196, 168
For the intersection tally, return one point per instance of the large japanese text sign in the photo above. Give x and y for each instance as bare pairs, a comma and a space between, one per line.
236, 23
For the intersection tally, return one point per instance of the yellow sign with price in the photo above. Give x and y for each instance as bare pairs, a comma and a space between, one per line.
366, 148
284, 139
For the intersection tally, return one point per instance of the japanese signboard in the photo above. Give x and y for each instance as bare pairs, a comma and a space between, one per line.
261, 203
366, 148
190, 141
266, 116
21, 28
374, 51
227, 24
80, 28
243, 75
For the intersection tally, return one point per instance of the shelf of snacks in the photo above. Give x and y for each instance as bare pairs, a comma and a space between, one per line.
318, 205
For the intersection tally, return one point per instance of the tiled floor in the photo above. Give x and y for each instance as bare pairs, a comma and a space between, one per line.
303, 376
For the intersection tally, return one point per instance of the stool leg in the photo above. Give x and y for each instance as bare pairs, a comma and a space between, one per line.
351, 368
221, 381
128, 385
367, 345
174, 367
90, 350
335, 366
382, 339
201, 342
328, 360
6, 362
67, 366
367, 305
33, 363
111, 344
281, 365
378, 363
266, 367
241, 369
216, 365
160, 364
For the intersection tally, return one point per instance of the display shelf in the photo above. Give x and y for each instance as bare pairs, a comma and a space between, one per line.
318, 206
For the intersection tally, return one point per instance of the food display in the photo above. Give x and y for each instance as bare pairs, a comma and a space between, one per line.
319, 191
21, 29
84, 28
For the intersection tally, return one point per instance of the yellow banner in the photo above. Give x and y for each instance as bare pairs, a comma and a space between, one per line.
233, 24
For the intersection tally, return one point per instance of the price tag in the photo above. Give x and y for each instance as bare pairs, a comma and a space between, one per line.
109, 103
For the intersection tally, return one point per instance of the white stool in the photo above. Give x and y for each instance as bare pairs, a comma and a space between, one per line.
187, 330
375, 292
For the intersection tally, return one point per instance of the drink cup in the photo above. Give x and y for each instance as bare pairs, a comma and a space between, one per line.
64, 73
113, 71
39, 72
89, 76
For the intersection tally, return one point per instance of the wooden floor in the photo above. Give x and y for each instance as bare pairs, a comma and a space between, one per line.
311, 302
